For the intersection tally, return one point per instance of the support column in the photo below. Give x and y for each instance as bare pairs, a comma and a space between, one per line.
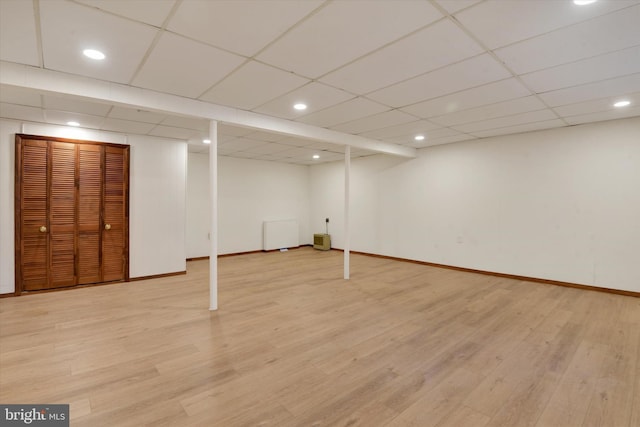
347, 233
213, 226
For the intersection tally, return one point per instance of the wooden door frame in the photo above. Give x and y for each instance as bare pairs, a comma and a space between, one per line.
18, 176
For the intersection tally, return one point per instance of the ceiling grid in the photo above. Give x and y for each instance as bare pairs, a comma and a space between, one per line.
382, 71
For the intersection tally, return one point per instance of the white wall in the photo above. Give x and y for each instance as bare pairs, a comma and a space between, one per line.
197, 205
157, 211
7, 150
157, 198
561, 204
249, 192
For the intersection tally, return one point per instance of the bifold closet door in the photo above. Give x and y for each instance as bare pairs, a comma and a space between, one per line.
48, 216
62, 214
72, 223
114, 230
90, 175
33, 218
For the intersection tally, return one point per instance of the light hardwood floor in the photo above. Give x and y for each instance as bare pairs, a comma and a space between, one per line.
293, 344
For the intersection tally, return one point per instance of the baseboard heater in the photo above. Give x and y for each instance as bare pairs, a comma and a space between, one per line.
322, 242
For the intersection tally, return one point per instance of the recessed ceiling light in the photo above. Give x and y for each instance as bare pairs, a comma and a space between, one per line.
73, 123
583, 2
300, 106
419, 137
316, 156
620, 104
93, 54
206, 141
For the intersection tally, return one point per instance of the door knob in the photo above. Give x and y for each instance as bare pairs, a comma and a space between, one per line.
107, 226
43, 229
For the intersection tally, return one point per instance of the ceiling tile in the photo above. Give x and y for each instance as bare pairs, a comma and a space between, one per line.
224, 151
578, 60
329, 157
446, 140
239, 26
505, 108
245, 155
21, 112
596, 105
136, 115
20, 96
453, 6
223, 139
184, 67
527, 127
270, 158
434, 134
463, 75
295, 161
376, 121
266, 136
601, 67
62, 117
403, 130
317, 96
618, 113
126, 126
470, 98
345, 30
172, 132
201, 125
326, 146
69, 28
242, 144
502, 122
18, 41
612, 87
253, 84
347, 111
138, 10
296, 142
406, 58
270, 148
74, 104
499, 23
300, 153
601, 35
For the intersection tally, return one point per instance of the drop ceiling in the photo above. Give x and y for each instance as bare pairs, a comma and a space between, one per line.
451, 70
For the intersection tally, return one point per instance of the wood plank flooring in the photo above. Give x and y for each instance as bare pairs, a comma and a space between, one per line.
293, 344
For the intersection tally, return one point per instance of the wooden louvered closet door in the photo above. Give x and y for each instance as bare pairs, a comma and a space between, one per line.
71, 213
62, 214
34, 219
113, 233
89, 213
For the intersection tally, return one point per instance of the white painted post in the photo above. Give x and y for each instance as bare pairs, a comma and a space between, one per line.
347, 235
213, 204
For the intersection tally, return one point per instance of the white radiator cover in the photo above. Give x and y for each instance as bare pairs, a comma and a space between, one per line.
280, 234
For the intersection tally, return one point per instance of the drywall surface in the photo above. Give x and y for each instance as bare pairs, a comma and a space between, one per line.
249, 193
559, 204
157, 197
